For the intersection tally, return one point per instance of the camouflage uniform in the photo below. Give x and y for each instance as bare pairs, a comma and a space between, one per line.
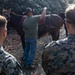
58, 57
8, 64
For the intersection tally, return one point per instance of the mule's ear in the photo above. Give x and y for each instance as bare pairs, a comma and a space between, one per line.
3, 10
9, 9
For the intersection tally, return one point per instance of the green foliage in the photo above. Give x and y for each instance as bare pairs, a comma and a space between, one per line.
74, 1
70, 1
18, 6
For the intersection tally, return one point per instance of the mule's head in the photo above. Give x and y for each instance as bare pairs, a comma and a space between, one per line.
6, 13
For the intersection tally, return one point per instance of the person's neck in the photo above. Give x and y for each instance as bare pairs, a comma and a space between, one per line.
72, 32
30, 15
1, 42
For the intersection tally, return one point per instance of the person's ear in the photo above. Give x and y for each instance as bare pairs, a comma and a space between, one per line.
5, 33
67, 25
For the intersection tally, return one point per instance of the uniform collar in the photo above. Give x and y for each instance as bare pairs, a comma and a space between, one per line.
1, 50
1, 47
71, 36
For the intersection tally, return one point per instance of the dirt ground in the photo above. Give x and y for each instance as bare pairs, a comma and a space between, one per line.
13, 45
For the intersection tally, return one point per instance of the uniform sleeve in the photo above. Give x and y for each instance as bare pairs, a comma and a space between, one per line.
10, 67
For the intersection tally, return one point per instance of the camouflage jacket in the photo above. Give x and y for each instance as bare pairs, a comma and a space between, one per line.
58, 57
8, 64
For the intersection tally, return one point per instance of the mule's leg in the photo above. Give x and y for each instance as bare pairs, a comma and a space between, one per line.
54, 33
57, 35
66, 30
23, 45
23, 41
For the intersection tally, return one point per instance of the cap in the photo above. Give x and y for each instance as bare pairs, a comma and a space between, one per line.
28, 10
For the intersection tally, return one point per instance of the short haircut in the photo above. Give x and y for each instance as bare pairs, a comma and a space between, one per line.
3, 21
70, 14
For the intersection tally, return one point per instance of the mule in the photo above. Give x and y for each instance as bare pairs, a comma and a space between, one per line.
51, 25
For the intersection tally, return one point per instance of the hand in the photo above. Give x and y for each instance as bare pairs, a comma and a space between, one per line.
45, 8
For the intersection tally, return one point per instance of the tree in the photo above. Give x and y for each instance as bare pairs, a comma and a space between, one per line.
18, 6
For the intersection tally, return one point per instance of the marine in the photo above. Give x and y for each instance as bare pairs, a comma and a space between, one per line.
58, 57
8, 63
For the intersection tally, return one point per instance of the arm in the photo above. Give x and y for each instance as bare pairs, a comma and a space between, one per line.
43, 14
